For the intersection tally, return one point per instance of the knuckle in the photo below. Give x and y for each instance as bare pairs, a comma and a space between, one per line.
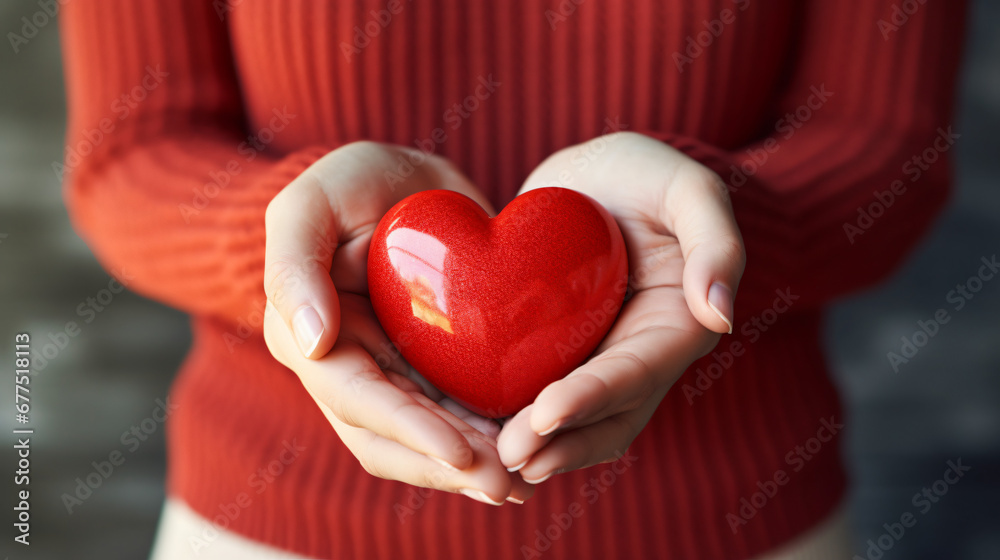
341, 408
370, 460
642, 377
279, 276
626, 135
733, 251
433, 478
371, 466
398, 418
274, 209
695, 182
345, 404
704, 177
714, 181
283, 204
360, 146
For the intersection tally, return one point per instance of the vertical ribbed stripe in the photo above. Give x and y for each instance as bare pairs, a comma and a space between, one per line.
327, 95
513, 131
695, 460
558, 44
479, 64
300, 62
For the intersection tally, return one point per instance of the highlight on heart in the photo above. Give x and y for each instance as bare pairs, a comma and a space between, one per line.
472, 279
495, 309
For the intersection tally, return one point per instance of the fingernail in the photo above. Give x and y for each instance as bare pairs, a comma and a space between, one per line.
308, 327
562, 423
543, 479
720, 299
480, 496
514, 500
551, 429
519, 467
443, 463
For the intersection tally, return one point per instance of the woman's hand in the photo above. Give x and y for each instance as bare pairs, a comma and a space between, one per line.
685, 258
320, 324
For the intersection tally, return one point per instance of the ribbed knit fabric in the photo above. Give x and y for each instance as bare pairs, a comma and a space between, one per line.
168, 191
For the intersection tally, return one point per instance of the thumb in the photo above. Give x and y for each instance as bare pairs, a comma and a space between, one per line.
301, 239
699, 210
336, 200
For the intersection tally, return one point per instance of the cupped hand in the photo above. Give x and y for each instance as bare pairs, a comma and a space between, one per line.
686, 258
319, 323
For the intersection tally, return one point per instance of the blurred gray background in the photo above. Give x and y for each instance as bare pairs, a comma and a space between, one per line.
903, 427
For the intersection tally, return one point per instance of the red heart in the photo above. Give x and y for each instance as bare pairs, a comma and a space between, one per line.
492, 310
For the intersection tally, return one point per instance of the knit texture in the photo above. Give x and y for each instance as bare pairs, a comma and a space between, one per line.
810, 110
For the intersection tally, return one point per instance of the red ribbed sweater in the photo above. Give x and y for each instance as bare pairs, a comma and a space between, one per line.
837, 96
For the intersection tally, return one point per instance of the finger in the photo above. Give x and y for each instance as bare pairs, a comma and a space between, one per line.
520, 490
349, 383
340, 198
430, 390
518, 442
388, 459
298, 253
361, 396
350, 263
698, 211
646, 352
587, 446
359, 324
338, 195
486, 426
484, 480
403, 383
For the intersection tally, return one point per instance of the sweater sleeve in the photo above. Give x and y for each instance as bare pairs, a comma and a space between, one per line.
163, 177
853, 164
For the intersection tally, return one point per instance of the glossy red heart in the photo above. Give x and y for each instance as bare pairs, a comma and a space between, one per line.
492, 310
